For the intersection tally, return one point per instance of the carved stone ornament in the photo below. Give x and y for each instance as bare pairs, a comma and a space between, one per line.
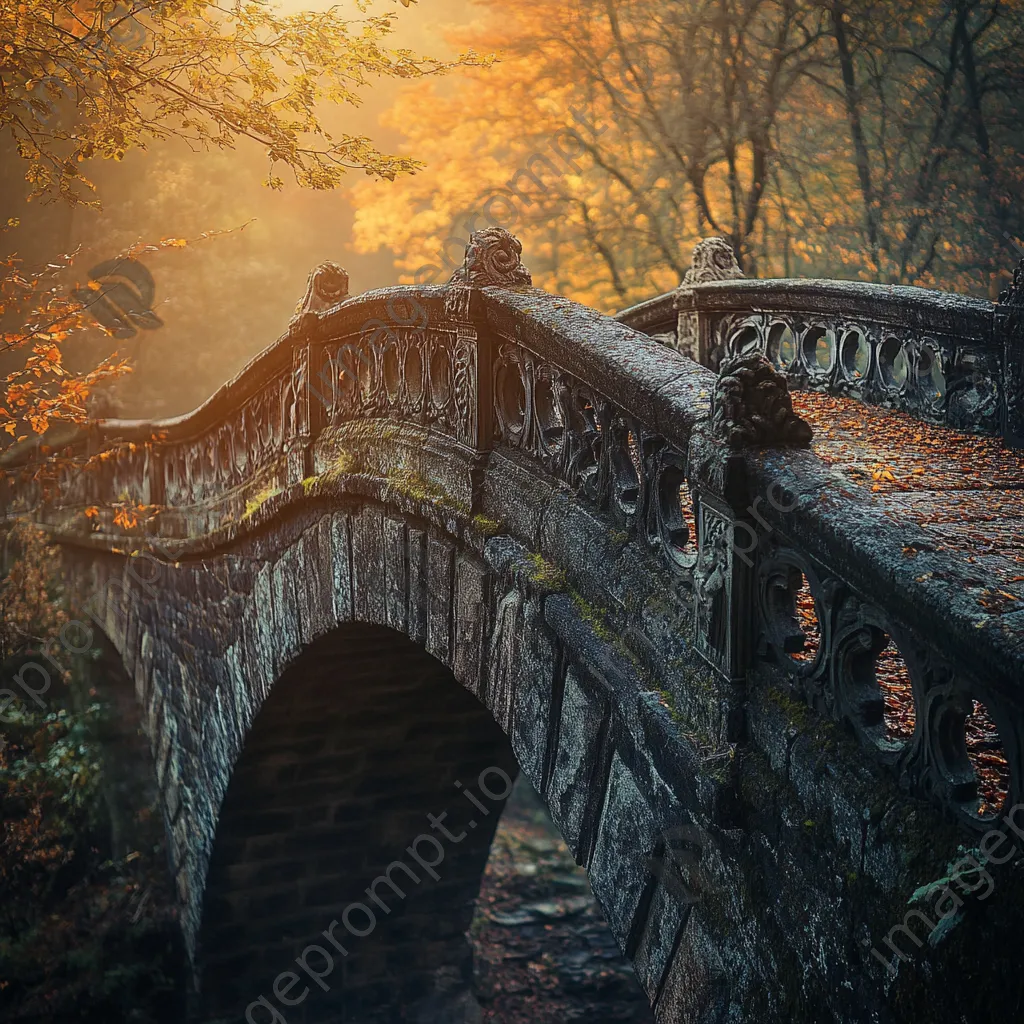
1014, 295
492, 258
712, 260
751, 405
711, 589
327, 285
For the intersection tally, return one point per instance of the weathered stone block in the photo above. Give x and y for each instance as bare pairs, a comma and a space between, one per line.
417, 606
665, 918
440, 574
577, 760
532, 695
619, 870
471, 632
369, 580
341, 561
286, 605
318, 576
144, 667
696, 987
395, 574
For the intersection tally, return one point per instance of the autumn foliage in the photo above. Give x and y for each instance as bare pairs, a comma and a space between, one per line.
868, 140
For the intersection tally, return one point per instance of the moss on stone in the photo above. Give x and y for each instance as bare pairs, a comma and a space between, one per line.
796, 711
346, 462
669, 701
759, 785
415, 486
545, 574
597, 619
594, 617
343, 464
260, 498
488, 527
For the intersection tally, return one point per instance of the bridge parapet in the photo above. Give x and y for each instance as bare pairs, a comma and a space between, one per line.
941, 357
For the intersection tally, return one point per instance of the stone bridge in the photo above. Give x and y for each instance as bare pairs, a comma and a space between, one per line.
768, 684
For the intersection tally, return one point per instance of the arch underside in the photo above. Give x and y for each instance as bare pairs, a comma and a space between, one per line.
324, 844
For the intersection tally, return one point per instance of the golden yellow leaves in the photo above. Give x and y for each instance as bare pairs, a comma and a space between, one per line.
882, 474
126, 518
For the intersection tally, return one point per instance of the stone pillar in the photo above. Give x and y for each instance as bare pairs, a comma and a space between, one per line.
326, 286
722, 579
1009, 328
492, 259
298, 441
750, 408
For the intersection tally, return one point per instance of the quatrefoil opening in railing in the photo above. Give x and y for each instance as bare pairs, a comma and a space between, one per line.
751, 405
492, 259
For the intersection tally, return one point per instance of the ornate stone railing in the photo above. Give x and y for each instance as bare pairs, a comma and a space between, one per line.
941, 357
708, 474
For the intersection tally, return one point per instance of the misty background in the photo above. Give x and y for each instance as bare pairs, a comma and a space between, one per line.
225, 298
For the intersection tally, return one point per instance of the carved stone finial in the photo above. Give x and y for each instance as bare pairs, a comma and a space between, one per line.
492, 258
326, 286
1014, 295
104, 403
751, 405
712, 260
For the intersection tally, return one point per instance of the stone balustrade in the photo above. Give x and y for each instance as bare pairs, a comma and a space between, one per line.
941, 357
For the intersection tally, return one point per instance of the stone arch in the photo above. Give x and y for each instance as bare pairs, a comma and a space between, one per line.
347, 860
210, 654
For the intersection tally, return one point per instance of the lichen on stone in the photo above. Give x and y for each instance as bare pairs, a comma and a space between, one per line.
485, 525
415, 486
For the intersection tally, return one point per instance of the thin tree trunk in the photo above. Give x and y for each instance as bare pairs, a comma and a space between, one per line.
857, 132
